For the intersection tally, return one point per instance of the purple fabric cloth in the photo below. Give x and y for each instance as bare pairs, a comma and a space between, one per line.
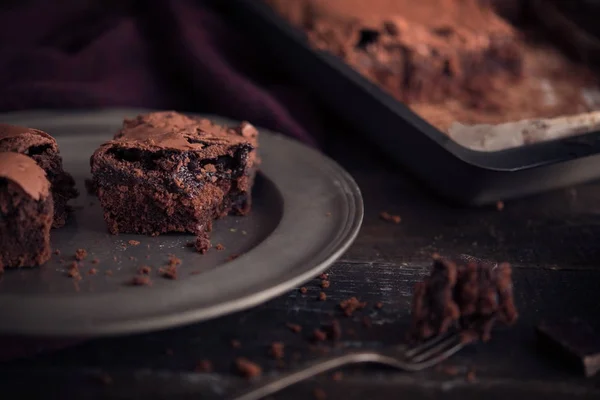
165, 54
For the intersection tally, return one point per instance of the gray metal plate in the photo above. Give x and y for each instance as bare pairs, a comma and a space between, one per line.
307, 211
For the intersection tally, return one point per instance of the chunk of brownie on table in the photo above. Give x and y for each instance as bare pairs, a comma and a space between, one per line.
26, 212
44, 150
167, 172
472, 296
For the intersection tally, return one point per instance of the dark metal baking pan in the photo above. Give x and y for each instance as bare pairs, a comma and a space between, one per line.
460, 174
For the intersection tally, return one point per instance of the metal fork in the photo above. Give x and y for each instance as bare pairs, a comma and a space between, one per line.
423, 356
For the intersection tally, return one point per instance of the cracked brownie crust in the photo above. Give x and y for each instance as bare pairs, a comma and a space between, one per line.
166, 172
44, 150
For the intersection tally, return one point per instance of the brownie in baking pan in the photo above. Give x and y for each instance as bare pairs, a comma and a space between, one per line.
44, 150
167, 172
26, 212
450, 61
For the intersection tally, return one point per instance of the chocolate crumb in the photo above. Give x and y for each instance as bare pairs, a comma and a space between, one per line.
92, 271
174, 261
324, 277
219, 247
57, 252
134, 242
379, 305
471, 376
277, 350
303, 290
319, 394
74, 271
450, 370
236, 344
202, 244
349, 306
95, 261
204, 366
108, 273
170, 271
294, 327
500, 205
319, 335
322, 296
140, 280
144, 270
80, 254
190, 244
132, 258
337, 376
232, 257
247, 368
324, 284
384, 215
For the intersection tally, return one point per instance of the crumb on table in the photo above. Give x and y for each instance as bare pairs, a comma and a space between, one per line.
319, 335
294, 327
140, 280
247, 368
80, 254
276, 350
384, 215
134, 242
144, 270
349, 306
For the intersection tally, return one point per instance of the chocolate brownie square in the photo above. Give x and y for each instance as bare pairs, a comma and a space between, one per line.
44, 150
26, 212
166, 172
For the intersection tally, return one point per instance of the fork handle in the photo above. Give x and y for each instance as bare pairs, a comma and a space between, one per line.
269, 386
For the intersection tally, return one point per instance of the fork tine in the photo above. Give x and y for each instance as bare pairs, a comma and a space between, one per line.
436, 359
440, 348
428, 343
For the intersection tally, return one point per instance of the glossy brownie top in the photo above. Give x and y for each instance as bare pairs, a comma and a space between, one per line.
28, 137
174, 131
25, 172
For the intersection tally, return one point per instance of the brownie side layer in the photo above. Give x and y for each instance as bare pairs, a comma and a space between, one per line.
171, 174
26, 211
44, 150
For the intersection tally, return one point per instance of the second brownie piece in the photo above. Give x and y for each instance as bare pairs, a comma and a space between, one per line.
43, 149
26, 211
166, 172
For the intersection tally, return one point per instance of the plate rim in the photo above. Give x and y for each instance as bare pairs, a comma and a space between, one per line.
321, 260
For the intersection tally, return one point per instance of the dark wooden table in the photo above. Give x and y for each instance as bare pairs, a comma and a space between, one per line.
551, 240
